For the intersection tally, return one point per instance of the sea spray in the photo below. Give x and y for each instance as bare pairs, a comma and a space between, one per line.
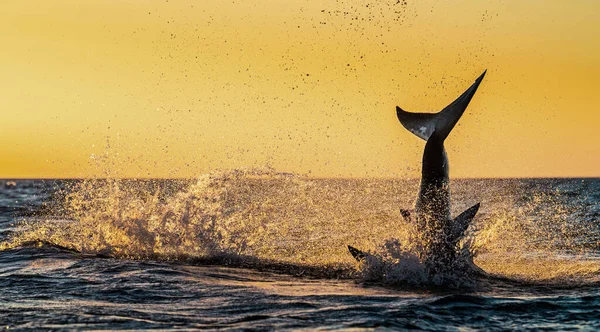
263, 216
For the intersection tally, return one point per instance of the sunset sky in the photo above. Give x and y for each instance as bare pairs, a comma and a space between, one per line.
179, 88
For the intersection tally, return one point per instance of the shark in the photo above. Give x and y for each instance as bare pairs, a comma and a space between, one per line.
440, 232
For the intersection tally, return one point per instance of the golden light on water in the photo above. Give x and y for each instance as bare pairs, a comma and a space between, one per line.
260, 218
179, 88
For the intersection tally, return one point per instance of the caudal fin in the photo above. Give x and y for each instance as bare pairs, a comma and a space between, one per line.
424, 124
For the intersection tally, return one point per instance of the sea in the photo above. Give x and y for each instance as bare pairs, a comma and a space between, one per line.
264, 250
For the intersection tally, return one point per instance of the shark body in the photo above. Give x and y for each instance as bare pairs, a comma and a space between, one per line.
440, 232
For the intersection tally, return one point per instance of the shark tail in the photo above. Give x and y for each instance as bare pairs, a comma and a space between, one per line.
424, 124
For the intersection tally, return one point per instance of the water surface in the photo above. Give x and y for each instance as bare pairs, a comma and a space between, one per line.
264, 250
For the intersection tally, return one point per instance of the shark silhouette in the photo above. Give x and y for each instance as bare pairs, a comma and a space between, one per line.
440, 232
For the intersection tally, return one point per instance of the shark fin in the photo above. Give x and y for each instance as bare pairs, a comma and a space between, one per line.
462, 222
406, 214
357, 254
424, 124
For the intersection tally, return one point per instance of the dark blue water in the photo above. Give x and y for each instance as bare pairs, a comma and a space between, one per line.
81, 278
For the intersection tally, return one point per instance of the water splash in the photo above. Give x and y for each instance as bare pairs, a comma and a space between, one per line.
263, 216
540, 235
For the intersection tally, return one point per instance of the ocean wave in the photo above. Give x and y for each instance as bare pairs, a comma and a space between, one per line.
284, 222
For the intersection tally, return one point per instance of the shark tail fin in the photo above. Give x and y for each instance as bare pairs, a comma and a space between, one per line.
462, 222
424, 124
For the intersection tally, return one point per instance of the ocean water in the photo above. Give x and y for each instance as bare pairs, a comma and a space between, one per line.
262, 250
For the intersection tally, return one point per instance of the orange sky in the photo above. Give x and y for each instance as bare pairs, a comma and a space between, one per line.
179, 88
